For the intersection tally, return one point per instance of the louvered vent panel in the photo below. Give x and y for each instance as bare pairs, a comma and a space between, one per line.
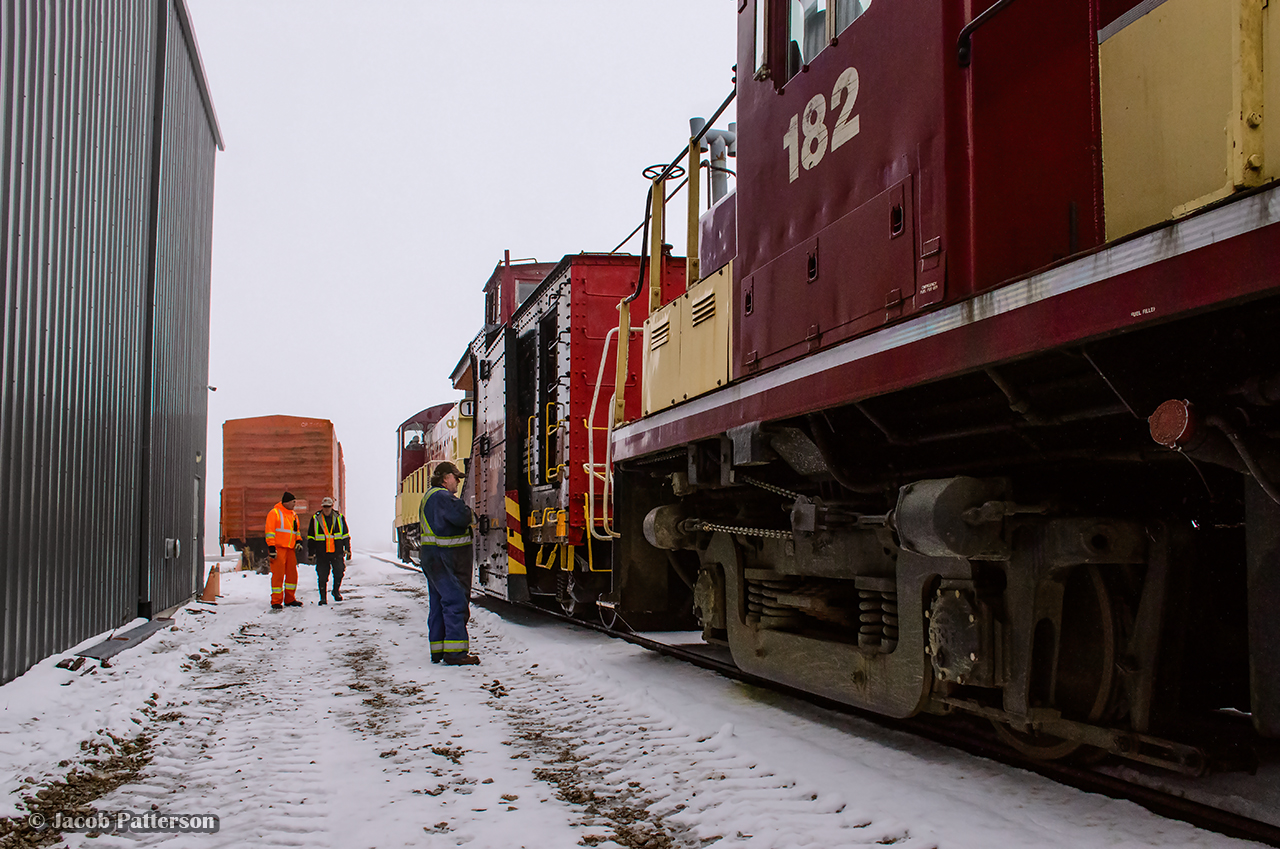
704, 309
660, 335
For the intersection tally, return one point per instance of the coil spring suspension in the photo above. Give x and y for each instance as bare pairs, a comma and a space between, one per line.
763, 607
878, 619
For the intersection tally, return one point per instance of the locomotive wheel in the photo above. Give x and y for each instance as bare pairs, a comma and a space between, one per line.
1086, 666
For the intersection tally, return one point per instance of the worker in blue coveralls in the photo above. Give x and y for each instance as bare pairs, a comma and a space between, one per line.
445, 540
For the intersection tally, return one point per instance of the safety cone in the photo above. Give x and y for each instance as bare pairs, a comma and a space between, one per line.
212, 587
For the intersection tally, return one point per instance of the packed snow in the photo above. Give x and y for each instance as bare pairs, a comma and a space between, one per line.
328, 727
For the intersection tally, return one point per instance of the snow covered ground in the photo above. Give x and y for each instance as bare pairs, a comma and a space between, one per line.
327, 726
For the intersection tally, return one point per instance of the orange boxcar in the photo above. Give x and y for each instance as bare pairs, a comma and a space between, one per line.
264, 456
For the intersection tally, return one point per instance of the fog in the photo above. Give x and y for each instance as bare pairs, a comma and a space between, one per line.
380, 156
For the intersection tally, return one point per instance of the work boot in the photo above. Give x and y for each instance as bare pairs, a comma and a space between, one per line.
293, 604
322, 599
337, 596
277, 607
436, 658
459, 659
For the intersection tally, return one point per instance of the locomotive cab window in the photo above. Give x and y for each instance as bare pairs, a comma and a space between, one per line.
762, 39
848, 11
811, 25
806, 33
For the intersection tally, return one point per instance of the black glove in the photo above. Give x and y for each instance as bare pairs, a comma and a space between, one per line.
297, 547
348, 554
271, 551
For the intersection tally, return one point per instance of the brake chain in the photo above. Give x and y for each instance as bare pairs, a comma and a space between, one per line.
768, 487
768, 533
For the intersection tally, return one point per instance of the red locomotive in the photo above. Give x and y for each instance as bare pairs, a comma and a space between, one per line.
998, 434
967, 403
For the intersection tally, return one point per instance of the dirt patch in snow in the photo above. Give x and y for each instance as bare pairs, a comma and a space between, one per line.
105, 765
622, 810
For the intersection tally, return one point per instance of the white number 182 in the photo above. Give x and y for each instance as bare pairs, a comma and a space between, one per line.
810, 149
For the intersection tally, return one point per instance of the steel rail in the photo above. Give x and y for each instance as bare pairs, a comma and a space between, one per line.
965, 739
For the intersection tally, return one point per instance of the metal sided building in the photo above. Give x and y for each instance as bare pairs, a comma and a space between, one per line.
107, 143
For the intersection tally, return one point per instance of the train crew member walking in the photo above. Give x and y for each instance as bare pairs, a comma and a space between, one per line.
329, 540
282, 537
446, 561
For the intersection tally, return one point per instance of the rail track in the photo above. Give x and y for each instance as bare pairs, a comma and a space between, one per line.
957, 735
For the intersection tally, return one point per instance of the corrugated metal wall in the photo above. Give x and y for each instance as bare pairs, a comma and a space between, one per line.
77, 246
180, 334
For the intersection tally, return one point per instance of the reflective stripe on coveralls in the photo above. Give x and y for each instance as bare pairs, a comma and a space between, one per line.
426, 536
277, 526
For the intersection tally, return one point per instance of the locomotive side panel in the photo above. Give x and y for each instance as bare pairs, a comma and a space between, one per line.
840, 180
1031, 98
881, 176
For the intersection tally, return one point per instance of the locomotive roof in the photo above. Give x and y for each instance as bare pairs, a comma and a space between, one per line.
427, 417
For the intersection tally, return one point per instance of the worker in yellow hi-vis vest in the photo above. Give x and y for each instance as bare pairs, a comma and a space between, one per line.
329, 541
445, 539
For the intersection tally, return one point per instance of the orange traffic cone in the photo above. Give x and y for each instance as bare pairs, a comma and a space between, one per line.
212, 587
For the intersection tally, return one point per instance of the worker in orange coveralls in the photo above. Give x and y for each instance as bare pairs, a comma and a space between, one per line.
282, 537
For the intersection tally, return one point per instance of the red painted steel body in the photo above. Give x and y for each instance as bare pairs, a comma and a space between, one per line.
593, 285
597, 283
955, 180
1214, 276
996, 169
264, 456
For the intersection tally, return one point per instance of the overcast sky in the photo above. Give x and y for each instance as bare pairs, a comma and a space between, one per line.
380, 156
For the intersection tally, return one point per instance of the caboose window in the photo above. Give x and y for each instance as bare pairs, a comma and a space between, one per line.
848, 11
491, 306
806, 33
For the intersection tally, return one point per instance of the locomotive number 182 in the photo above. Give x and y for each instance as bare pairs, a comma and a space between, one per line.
810, 149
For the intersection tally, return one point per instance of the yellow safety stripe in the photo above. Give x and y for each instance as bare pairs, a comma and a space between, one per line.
338, 531
280, 526
426, 536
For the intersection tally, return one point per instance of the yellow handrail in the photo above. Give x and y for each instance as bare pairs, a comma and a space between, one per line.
528, 462
552, 471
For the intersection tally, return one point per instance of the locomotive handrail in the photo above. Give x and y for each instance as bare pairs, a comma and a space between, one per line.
605, 476
630, 235
528, 461
546, 438
661, 179
964, 47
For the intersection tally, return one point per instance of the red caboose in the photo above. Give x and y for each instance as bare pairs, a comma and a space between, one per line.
542, 427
